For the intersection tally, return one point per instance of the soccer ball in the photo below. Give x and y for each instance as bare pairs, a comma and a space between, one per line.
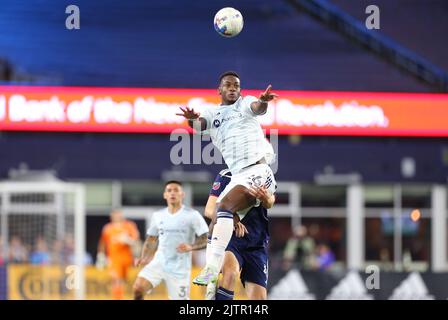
228, 22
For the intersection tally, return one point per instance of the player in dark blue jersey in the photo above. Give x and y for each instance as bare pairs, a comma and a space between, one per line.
247, 250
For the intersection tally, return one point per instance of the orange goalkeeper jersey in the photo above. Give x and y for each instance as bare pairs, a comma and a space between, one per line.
114, 236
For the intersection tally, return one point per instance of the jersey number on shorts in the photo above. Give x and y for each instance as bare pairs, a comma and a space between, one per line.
182, 291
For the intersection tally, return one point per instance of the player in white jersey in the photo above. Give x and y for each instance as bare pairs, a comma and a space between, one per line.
166, 255
238, 135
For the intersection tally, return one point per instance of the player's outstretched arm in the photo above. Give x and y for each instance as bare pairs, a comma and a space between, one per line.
260, 106
149, 248
200, 243
194, 119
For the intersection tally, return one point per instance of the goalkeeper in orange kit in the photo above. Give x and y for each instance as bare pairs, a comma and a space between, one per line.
115, 249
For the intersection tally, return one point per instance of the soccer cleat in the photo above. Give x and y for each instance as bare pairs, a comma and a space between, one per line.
210, 294
206, 276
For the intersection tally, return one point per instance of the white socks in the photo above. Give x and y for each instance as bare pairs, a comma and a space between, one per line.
208, 248
222, 233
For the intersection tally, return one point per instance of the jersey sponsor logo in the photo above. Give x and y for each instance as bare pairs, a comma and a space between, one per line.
217, 122
174, 230
216, 185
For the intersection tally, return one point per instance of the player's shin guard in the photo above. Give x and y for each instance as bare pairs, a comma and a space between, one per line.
224, 294
222, 233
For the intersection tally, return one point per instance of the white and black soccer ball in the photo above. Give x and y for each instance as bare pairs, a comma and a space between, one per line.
228, 22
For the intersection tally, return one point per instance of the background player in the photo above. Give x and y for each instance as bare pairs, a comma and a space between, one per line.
247, 250
115, 248
247, 256
237, 134
166, 253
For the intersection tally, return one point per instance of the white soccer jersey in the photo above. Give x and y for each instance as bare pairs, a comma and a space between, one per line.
236, 133
172, 230
270, 156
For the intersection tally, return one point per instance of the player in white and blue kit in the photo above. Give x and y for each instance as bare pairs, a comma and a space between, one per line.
166, 255
236, 132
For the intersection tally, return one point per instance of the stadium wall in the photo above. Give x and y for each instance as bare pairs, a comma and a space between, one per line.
26, 282
101, 156
30, 282
352, 285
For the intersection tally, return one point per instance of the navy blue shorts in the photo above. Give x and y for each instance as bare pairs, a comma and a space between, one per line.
253, 263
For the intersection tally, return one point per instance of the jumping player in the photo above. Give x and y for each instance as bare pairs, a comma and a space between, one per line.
238, 135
